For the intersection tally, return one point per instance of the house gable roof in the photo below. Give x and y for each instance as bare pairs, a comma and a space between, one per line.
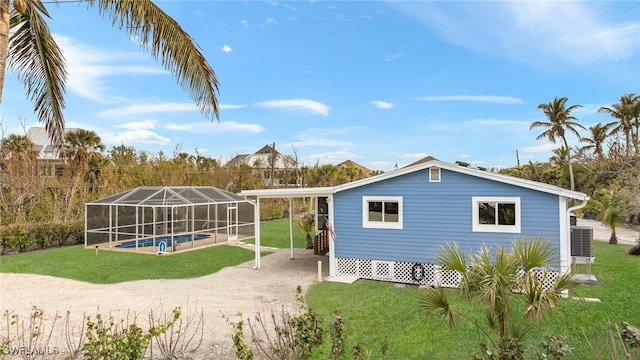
528, 184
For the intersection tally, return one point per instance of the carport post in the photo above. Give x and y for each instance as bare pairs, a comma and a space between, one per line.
291, 225
256, 226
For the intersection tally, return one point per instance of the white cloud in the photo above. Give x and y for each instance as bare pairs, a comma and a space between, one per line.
226, 48
325, 137
394, 57
140, 136
546, 148
382, 104
475, 98
230, 106
570, 32
148, 109
139, 125
333, 157
298, 104
89, 67
383, 165
414, 156
270, 21
320, 141
215, 127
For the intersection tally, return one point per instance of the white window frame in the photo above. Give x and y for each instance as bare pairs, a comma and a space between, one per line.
477, 227
432, 174
381, 224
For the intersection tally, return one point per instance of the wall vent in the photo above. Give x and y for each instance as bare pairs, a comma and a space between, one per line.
581, 241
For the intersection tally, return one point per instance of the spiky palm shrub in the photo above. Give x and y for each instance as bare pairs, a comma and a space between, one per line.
612, 208
307, 223
492, 278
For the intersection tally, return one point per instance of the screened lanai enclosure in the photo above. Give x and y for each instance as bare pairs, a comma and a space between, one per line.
168, 219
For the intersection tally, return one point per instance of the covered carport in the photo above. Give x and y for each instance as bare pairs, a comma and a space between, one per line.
325, 193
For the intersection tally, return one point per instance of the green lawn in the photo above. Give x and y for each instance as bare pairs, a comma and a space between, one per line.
110, 267
371, 310
374, 310
275, 234
76, 262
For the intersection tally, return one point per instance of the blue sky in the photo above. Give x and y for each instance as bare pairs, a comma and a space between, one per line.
380, 83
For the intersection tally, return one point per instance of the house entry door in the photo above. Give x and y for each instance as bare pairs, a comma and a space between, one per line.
322, 213
232, 223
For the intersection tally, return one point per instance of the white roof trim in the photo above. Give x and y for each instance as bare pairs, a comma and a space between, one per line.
288, 192
527, 184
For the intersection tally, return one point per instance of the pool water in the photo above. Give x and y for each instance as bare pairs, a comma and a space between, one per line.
167, 239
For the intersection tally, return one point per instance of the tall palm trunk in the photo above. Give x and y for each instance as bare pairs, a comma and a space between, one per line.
613, 239
5, 16
566, 145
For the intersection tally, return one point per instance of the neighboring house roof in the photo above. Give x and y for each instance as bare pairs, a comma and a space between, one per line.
262, 159
44, 146
546, 188
350, 163
421, 161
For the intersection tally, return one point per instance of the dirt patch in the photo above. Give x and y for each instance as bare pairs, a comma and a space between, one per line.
233, 290
625, 234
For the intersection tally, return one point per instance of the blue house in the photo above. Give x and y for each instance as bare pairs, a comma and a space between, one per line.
391, 226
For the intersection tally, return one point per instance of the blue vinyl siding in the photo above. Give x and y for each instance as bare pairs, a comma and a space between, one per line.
435, 213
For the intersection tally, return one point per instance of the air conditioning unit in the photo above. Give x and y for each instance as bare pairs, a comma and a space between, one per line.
581, 241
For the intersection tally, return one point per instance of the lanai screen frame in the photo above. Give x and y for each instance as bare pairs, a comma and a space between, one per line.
157, 213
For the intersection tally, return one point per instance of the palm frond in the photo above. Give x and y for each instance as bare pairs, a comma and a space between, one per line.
452, 257
533, 253
169, 43
39, 64
435, 299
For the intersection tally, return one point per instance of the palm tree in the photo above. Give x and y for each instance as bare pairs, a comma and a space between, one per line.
599, 134
532, 171
17, 147
627, 113
494, 279
612, 207
84, 146
560, 122
32, 53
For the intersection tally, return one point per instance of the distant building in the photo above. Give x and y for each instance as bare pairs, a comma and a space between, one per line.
275, 168
423, 160
49, 155
350, 163
46, 149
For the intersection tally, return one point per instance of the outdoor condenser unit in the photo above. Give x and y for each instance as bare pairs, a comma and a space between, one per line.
581, 241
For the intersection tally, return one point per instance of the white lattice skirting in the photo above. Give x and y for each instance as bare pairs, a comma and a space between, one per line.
410, 273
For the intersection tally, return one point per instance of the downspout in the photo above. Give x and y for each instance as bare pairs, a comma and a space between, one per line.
577, 207
568, 229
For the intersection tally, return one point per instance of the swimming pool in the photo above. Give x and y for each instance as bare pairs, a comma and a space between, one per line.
167, 239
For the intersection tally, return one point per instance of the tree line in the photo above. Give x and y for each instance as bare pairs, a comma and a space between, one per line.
40, 190
604, 163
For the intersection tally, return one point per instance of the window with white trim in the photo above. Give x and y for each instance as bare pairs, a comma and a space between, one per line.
382, 212
496, 214
434, 174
